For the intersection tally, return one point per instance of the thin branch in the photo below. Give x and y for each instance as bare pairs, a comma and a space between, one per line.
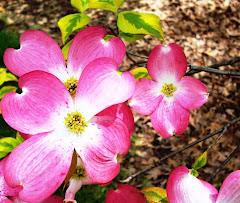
179, 150
214, 68
224, 163
133, 54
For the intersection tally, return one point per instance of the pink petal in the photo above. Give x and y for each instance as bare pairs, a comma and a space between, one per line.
125, 194
40, 165
184, 187
169, 118
100, 86
121, 111
89, 44
230, 189
39, 107
191, 93
5, 189
146, 96
38, 51
167, 61
52, 199
74, 186
99, 146
5, 200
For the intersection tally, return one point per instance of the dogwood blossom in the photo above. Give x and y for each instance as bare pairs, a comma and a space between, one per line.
169, 96
184, 187
59, 124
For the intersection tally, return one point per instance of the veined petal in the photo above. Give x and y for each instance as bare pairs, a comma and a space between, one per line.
100, 86
230, 189
38, 51
125, 194
146, 96
88, 45
5, 190
170, 117
51, 199
184, 187
40, 165
191, 93
40, 106
121, 111
5, 200
99, 146
167, 62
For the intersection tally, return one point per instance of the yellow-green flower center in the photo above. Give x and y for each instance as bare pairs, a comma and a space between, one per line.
79, 173
168, 89
75, 122
71, 85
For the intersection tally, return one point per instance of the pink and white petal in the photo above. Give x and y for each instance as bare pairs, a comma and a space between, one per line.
38, 51
5, 200
100, 86
39, 107
88, 45
167, 63
121, 111
99, 146
125, 194
51, 199
146, 96
40, 164
191, 93
230, 189
184, 187
5, 189
169, 118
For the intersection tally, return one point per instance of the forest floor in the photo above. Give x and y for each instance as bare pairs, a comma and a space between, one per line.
209, 33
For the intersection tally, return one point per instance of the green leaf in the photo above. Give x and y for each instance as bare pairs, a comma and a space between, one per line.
131, 37
140, 73
3, 74
194, 172
81, 5
7, 144
109, 5
4, 90
108, 37
11, 77
72, 22
65, 49
140, 23
155, 195
201, 161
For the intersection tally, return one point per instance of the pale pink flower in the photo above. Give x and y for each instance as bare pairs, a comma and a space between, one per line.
169, 96
125, 194
60, 123
184, 187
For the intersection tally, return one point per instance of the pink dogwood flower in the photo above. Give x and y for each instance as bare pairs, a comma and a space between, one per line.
184, 187
61, 124
5, 190
38, 51
169, 96
125, 194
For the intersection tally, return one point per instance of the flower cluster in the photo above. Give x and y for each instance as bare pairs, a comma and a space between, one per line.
80, 109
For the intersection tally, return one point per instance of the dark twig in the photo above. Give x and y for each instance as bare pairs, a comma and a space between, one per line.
224, 163
133, 54
178, 151
214, 68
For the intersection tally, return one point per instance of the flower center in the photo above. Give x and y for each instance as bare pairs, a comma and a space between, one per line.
75, 122
71, 85
79, 173
168, 89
